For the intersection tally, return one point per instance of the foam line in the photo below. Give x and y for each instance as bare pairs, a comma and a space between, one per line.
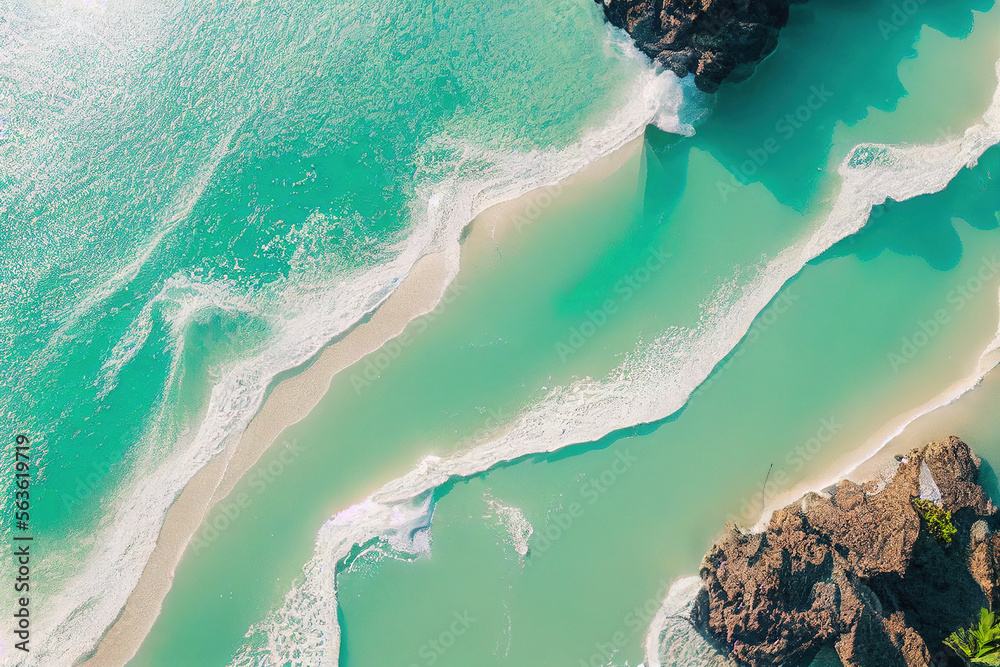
661, 639
654, 381
80, 613
672, 640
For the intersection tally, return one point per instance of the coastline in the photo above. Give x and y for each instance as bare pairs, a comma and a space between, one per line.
922, 422
874, 459
949, 413
293, 398
591, 409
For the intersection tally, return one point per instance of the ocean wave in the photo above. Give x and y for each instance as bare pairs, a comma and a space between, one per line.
482, 176
652, 383
655, 97
178, 210
672, 640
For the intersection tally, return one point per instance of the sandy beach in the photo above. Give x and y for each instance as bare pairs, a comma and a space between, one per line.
938, 418
936, 421
292, 399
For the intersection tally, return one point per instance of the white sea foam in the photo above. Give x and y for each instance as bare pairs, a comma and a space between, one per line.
651, 384
908, 172
79, 613
91, 601
672, 640
512, 520
301, 631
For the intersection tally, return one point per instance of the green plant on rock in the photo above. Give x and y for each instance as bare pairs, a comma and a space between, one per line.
980, 644
937, 519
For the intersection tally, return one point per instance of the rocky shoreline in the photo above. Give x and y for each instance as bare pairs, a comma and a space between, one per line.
714, 40
862, 569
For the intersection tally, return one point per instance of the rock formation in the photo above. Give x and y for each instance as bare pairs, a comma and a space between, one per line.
712, 39
858, 569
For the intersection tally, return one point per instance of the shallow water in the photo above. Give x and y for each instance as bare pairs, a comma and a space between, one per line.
477, 365
206, 196
276, 207
616, 522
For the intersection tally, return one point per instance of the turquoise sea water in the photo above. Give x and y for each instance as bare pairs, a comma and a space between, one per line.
616, 522
230, 190
197, 197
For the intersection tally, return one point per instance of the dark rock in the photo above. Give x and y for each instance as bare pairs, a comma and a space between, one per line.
857, 571
712, 39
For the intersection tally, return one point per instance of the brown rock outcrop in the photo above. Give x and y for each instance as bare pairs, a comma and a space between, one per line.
711, 39
856, 569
